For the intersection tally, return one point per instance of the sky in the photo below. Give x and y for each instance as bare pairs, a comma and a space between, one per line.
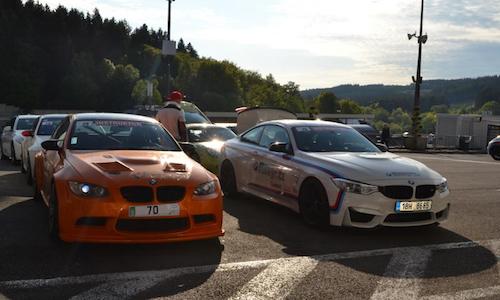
324, 43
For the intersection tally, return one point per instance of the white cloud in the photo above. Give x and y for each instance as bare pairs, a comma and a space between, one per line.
311, 42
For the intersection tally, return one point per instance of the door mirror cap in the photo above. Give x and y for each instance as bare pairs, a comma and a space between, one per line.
382, 147
280, 148
7, 129
51, 145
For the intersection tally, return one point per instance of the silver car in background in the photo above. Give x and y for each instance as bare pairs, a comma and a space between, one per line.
494, 148
12, 136
32, 143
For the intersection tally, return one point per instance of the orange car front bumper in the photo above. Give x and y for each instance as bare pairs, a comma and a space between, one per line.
107, 220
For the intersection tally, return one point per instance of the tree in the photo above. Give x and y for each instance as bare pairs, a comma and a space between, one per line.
291, 98
190, 49
140, 96
327, 103
79, 88
181, 47
439, 108
429, 120
401, 117
120, 86
349, 107
491, 106
216, 78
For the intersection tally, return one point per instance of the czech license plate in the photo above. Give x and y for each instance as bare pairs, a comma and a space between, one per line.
161, 210
413, 206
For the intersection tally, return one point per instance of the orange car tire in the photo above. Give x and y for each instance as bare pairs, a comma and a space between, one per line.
53, 216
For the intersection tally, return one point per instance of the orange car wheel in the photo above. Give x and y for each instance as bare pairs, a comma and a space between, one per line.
29, 176
37, 196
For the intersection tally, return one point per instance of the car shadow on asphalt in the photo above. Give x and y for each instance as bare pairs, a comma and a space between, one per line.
28, 253
12, 183
263, 218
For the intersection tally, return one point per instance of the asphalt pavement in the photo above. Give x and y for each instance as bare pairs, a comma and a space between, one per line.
268, 252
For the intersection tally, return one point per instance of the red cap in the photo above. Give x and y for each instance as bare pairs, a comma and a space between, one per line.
175, 96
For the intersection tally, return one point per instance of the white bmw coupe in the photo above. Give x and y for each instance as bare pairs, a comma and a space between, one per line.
332, 175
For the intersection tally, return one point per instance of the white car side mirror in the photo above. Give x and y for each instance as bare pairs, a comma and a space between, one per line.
7, 129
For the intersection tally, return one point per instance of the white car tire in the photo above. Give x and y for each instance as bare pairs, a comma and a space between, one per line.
313, 203
495, 152
13, 159
228, 179
23, 169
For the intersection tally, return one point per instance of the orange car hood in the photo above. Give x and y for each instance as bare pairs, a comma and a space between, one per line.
133, 167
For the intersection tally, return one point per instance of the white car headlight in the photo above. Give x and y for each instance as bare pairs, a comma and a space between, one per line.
205, 189
87, 190
442, 187
354, 187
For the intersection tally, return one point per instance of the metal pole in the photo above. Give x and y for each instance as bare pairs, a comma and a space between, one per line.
168, 38
418, 81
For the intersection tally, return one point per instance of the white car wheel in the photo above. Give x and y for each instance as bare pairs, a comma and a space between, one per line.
313, 203
228, 179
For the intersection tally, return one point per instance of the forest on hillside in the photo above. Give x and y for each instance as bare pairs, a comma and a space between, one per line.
67, 59
452, 93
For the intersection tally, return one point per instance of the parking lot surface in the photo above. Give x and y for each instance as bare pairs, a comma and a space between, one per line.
268, 252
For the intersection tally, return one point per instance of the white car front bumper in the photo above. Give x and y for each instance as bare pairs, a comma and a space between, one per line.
368, 211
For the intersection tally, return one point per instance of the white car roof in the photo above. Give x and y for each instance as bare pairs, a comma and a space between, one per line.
294, 123
54, 116
27, 116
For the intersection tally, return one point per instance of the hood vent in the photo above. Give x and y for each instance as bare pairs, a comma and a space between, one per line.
175, 167
113, 167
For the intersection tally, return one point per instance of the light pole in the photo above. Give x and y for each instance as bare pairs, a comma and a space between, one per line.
418, 80
168, 39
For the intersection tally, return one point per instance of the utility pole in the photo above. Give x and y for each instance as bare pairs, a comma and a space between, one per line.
168, 53
422, 39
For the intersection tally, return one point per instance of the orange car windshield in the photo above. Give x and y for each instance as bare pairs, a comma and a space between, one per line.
120, 135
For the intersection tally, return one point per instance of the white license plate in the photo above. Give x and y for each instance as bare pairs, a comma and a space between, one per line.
413, 206
161, 210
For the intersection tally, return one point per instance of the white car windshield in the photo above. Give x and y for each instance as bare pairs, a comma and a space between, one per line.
25, 123
48, 125
331, 139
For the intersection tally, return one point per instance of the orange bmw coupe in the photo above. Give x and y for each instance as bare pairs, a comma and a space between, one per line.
118, 178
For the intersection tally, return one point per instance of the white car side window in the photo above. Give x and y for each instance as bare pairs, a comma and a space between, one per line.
253, 136
273, 134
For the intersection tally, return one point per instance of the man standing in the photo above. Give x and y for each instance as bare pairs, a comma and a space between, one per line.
172, 116
386, 134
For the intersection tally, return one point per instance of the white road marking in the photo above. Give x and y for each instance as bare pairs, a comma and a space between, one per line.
2, 297
118, 290
6, 173
277, 280
402, 276
5, 201
175, 272
467, 294
451, 159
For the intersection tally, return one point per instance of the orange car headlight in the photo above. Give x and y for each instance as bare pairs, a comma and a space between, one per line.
205, 189
87, 190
